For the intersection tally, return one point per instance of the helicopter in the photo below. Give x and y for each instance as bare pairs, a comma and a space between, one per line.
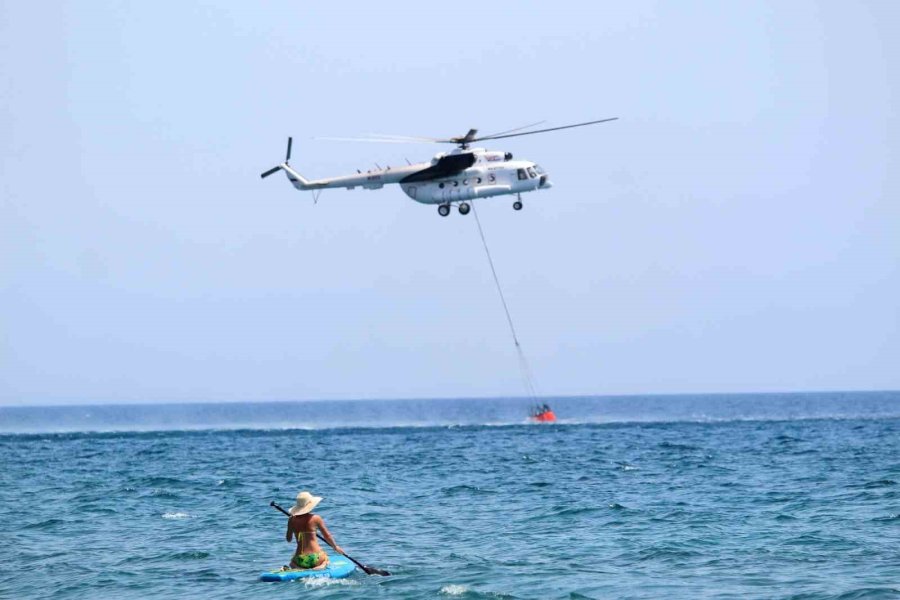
456, 177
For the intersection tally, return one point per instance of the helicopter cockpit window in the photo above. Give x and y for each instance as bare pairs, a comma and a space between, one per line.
522, 174
539, 169
531, 173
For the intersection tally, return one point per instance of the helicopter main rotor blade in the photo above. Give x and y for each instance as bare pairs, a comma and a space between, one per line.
513, 130
270, 171
288, 156
412, 138
497, 137
377, 140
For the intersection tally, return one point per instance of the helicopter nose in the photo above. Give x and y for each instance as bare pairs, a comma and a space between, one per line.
545, 183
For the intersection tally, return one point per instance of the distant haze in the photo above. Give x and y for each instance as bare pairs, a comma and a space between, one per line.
737, 230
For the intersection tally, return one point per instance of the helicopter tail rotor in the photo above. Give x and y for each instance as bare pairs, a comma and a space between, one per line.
287, 159
297, 180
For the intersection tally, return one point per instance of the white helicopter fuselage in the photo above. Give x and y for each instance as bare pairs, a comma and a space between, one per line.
491, 173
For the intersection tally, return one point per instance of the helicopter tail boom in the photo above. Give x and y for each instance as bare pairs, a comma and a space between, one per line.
299, 181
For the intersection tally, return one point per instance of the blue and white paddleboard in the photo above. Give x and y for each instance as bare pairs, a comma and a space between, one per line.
338, 567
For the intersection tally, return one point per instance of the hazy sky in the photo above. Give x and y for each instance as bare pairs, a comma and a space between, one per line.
738, 229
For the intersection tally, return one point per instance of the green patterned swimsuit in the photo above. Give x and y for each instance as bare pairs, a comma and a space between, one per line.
305, 561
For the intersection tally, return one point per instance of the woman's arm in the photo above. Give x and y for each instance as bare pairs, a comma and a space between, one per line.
320, 523
287, 536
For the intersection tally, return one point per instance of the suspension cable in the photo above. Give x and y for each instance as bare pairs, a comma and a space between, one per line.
527, 379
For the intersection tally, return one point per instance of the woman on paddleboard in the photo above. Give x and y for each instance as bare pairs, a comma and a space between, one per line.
303, 526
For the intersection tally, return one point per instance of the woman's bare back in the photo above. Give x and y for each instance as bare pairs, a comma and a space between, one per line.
309, 553
303, 528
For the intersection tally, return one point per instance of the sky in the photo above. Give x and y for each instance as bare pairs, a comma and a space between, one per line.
736, 230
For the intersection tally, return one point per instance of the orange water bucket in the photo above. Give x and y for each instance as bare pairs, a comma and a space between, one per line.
544, 417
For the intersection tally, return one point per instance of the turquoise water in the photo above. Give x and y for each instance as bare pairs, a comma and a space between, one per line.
783, 496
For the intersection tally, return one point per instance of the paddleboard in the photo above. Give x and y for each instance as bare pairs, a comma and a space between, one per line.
338, 567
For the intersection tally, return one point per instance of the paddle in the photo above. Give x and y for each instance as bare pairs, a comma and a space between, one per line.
367, 569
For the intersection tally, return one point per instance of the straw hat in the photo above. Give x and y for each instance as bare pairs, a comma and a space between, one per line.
305, 503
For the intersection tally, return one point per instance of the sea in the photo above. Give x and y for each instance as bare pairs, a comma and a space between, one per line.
683, 496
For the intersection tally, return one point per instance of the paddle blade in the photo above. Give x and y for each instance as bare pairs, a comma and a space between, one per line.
373, 571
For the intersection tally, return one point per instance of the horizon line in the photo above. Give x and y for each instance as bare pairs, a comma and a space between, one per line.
79, 403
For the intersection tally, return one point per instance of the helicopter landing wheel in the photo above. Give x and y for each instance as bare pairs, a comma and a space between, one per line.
444, 210
464, 208
517, 205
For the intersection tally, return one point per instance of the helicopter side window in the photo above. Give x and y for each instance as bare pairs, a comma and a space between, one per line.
441, 185
531, 173
455, 184
522, 174
491, 178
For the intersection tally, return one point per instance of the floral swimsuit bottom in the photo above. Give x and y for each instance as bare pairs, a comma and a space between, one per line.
306, 561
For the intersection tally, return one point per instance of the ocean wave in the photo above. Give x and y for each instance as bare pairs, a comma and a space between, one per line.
890, 517
189, 555
459, 590
540, 484
867, 593
158, 481
176, 515
878, 483
572, 511
206, 574
164, 494
229, 483
465, 489
320, 582
674, 446
454, 589
666, 554
782, 517
145, 452
44, 525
